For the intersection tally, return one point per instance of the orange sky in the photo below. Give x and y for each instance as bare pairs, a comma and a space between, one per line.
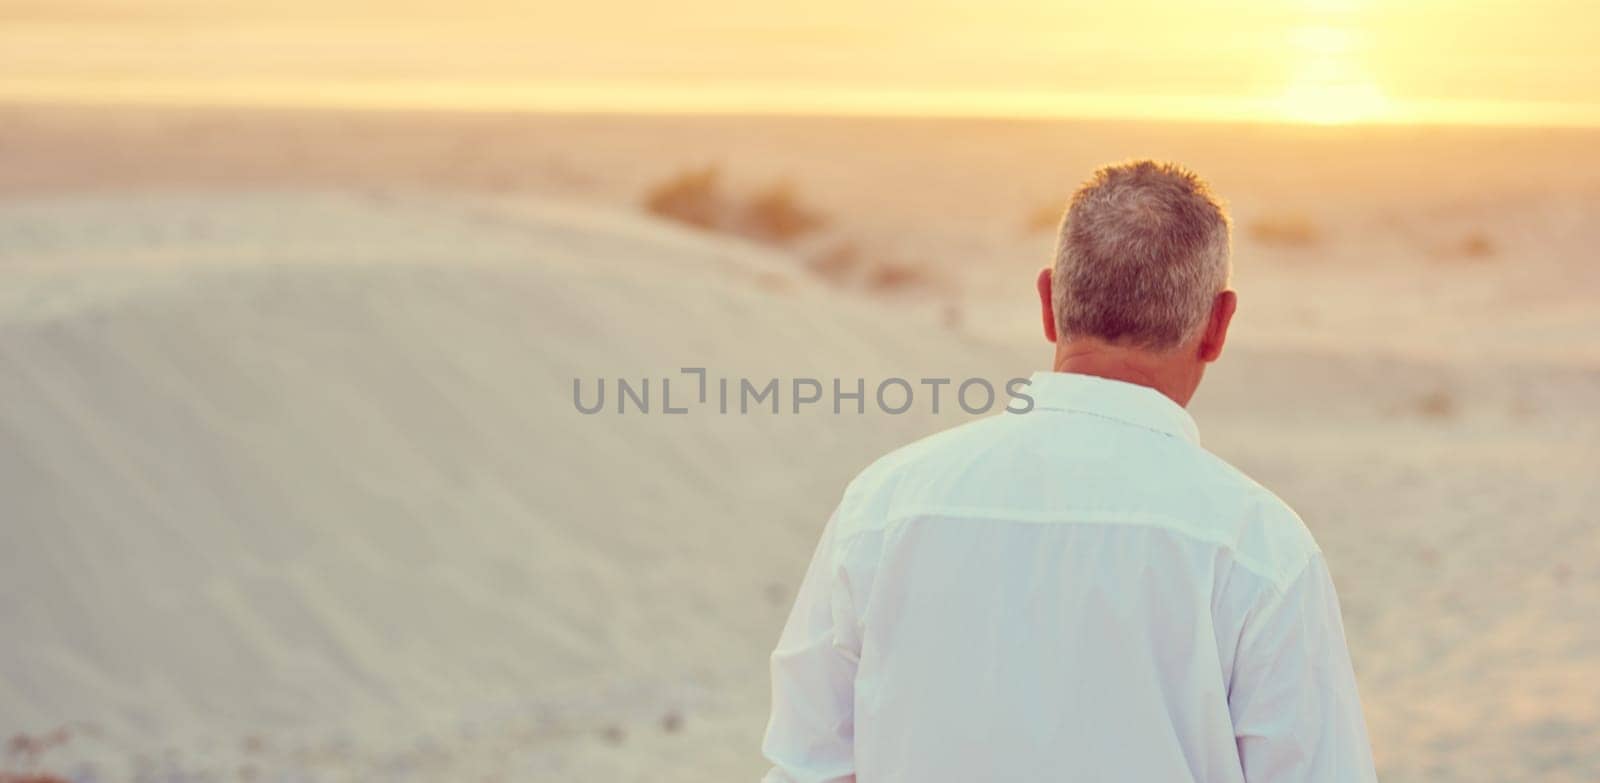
1528, 62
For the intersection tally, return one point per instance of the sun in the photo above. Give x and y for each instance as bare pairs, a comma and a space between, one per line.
1330, 84
1332, 103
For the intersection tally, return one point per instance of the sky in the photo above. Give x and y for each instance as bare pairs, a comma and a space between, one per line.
1321, 61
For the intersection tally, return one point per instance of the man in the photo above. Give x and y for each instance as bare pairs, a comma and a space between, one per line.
1081, 593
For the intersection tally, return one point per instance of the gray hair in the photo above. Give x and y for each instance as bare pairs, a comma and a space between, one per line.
1143, 252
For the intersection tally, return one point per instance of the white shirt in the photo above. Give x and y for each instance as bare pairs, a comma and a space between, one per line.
1077, 593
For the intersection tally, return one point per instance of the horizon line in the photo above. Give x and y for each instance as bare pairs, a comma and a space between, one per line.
780, 101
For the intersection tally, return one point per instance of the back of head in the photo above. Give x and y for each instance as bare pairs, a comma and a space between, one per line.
1143, 252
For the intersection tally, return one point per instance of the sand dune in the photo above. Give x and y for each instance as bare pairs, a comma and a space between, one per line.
342, 482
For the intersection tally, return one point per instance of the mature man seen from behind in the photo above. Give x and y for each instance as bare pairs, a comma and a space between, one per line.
1081, 592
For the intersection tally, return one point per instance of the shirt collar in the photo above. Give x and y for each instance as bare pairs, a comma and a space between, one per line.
1130, 403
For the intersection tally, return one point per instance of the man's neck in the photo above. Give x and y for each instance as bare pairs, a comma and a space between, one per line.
1120, 363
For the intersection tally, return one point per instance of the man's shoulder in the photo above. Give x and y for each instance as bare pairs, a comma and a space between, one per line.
990, 462
869, 494
1265, 533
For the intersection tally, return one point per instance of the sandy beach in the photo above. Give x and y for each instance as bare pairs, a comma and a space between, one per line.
295, 486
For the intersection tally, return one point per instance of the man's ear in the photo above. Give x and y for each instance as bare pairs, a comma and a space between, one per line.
1216, 334
1047, 303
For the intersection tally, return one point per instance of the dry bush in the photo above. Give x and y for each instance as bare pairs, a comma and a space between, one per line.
27, 749
837, 264
890, 276
693, 196
672, 722
1285, 230
844, 265
776, 214
1475, 246
950, 316
1437, 404
1045, 218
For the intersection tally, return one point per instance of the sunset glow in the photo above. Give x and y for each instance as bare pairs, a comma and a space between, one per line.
1312, 61
1331, 84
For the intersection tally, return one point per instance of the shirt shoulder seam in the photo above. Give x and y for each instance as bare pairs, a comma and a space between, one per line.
1279, 578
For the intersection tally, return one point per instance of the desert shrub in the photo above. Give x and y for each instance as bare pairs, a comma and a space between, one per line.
27, 749
672, 722
1046, 218
1437, 404
895, 275
1285, 230
843, 264
837, 264
950, 316
1475, 245
776, 214
693, 196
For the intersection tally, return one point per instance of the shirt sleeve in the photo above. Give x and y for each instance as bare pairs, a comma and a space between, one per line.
811, 733
1296, 713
